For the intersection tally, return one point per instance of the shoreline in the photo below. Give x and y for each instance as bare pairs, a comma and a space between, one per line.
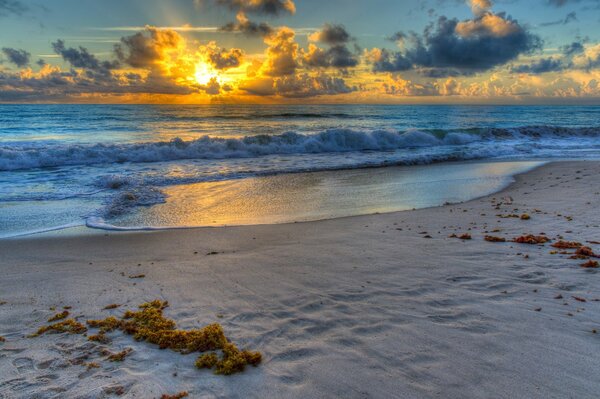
376, 305
87, 227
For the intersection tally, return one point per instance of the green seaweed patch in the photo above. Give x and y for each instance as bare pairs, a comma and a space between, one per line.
149, 324
70, 326
59, 316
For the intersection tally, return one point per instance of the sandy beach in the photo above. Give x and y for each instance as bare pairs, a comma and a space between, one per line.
379, 306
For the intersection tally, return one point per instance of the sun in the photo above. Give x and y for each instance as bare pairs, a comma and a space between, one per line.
204, 73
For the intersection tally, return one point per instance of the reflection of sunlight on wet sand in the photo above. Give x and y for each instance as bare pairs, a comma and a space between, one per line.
322, 195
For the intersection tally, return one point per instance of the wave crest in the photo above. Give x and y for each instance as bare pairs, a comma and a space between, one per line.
15, 157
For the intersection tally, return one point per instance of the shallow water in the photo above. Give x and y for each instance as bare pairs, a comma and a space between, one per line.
146, 165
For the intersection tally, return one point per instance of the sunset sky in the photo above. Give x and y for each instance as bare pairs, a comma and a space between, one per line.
300, 51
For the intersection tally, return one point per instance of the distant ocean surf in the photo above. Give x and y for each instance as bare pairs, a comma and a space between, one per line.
117, 165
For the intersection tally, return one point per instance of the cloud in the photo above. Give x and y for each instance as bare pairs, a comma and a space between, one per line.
452, 47
297, 86
20, 58
337, 55
220, 58
331, 34
12, 7
480, 7
572, 48
82, 58
247, 27
148, 48
543, 65
570, 17
265, 7
282, 53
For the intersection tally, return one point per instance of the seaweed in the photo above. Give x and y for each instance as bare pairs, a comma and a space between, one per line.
531, 239
2, 339
495, 239
567, 244
179, 395
59, 316
111, 306
106, 325
70, 326
149, 324
591, 264
525, 217
101, 338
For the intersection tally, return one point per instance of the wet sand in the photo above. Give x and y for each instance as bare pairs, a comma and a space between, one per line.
387, 305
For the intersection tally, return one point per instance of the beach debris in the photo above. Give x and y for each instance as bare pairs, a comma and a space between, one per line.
70, 326
179, 395
525, 217
59, 316
559, 296
494, 239
538, 309
212, 253
137, 276
566, 244
2, 339
149, 324
579, 299
531, 239
591, 264
111, 306
92, 365
465, 236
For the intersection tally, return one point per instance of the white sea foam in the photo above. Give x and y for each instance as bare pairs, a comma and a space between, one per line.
15, 157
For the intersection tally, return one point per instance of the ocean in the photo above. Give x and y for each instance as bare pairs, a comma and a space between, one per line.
169, 166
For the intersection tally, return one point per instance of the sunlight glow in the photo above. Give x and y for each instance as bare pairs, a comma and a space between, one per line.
204, 73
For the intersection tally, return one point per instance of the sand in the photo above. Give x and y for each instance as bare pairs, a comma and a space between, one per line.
359, 307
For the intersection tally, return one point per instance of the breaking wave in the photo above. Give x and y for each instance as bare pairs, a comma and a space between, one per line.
16, 157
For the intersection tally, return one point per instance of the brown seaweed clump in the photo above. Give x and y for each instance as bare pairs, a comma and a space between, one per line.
59, 316
2, 339
101, 338
149, 324
567, 244
525, 217
179, 395
106, 325
111, 306
495, 239
591, 264
584, 253
531, 239
70, 326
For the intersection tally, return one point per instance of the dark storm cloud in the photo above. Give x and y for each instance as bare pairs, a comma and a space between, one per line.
18, 57
543, 65
12, 7
82, 58
464, 47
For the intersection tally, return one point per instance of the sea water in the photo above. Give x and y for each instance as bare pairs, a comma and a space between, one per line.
155, 166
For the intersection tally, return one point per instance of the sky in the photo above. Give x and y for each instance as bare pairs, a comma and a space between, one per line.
300, 51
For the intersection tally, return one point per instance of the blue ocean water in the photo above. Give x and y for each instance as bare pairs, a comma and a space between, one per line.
68, 164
